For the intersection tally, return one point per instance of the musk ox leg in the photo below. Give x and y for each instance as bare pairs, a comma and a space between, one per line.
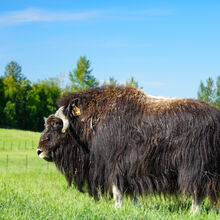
195, 208
136, 201
117, 195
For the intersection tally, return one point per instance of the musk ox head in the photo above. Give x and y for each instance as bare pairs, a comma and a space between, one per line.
51, 137
55, 131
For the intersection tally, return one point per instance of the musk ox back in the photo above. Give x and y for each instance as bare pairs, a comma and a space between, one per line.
118, 139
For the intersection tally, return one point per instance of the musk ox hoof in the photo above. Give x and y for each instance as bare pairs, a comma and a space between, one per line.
195, 208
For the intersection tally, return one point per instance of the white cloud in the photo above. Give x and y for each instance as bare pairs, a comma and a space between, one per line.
39, 15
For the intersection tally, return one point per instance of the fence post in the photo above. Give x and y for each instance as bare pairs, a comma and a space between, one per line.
7, 162
26, 165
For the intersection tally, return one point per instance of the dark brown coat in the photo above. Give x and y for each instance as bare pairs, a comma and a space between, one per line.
140, 143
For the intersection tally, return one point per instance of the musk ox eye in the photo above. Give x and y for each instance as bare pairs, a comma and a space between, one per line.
56, 124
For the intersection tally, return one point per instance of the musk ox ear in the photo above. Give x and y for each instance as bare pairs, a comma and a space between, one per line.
73, 108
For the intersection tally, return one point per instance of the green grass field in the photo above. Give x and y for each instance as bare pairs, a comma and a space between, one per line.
31, 188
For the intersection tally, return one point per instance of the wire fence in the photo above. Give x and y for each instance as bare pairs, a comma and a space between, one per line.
7, 162
27, 145
21, 155
23, 162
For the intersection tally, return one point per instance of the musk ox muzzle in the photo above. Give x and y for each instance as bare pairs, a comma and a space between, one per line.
43, 155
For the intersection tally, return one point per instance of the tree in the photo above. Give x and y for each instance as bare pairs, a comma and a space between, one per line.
41, 102
10, 114
2, 101
12, 77
82, 77
207, 93
16, 87
132, 83
111, 81
210, 92
23, 88
217, 91
14, 70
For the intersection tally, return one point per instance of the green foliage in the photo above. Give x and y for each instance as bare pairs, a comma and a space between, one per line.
41, 101
207, 92
132, 83
81, 77
210, 92
2, 101
10, 87
21, 101
16, 87
10, 113
111, 81
24, 105
217, 93
14, 70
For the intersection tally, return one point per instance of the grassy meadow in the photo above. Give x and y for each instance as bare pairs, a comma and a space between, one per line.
31, 188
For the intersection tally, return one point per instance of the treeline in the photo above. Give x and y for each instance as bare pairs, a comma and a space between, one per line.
23, 104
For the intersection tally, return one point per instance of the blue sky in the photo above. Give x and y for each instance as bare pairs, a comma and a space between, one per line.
168, 46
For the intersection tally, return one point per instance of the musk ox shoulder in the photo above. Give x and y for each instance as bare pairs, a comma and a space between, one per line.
117, 139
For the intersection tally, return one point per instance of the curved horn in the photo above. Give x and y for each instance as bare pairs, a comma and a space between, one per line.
59, 114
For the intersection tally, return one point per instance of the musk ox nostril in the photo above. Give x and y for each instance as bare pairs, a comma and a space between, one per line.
39, 152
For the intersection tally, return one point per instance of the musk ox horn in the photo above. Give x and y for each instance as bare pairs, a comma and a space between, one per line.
59, 114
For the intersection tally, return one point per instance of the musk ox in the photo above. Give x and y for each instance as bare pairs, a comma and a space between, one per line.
117, 139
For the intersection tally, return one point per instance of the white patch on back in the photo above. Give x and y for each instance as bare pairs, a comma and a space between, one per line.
160, 98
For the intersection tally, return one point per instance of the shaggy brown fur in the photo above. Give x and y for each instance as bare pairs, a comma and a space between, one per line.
139, 143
